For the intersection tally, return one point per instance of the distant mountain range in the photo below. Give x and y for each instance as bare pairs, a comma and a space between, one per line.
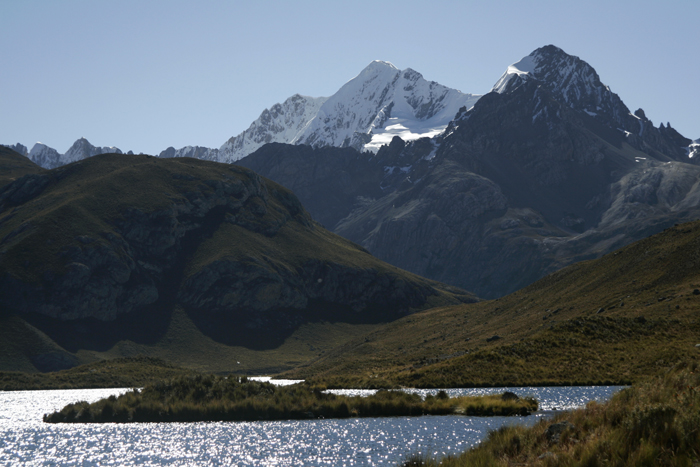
379, 103
367, 112
549, 169
216, 267
48, 158
485, 192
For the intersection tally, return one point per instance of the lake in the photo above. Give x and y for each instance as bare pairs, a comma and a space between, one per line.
25, 440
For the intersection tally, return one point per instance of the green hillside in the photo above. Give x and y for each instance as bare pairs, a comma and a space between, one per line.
205, 265
607, 321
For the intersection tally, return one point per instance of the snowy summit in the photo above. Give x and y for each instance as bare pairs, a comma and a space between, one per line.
380, 103
367, 112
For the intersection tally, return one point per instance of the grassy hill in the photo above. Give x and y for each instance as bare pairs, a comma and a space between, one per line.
206, 265
115, 373
14, 165
611, 320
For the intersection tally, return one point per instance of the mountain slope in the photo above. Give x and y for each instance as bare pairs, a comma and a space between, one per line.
612, 320
117, 248
533, 177
280, 123
14, 165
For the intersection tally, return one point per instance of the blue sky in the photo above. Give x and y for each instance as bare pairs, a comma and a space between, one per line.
145, 75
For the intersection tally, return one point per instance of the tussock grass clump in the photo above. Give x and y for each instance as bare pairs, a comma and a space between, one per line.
217, 398
654, 423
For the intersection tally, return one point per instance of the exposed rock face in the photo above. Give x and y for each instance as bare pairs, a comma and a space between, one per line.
117, 271
18, 148
330, 179
44, 156
49, 158
82, 149
235, 250
281, 123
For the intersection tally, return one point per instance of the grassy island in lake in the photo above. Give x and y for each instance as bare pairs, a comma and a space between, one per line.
218, 398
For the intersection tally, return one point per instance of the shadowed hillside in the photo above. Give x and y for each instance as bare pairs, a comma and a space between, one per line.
123, 254
14, 165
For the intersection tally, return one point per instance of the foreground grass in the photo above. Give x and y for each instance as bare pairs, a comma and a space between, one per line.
116, 373
594, 350
217, 398
656, 422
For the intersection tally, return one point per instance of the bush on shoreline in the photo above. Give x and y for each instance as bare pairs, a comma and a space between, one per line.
656, 422
217, 398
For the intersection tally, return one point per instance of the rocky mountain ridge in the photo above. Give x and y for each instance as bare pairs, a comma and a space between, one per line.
573, 82
552, 162
365, 113
280, 123
49, 158
542, 173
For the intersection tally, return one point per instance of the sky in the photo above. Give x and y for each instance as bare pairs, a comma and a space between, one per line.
146, 75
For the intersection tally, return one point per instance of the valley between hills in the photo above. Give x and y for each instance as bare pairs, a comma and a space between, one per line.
613, 320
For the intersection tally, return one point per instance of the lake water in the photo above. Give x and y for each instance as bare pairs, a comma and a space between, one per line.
26, 441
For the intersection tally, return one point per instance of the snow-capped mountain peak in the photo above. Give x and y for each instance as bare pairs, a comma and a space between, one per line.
378, 67
571, 79
82, 149
382, 102
574, 83
520, 69
44, 156
279, 124
366, 112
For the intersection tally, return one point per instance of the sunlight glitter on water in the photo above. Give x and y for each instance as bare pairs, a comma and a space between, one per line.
549, 397
26, 440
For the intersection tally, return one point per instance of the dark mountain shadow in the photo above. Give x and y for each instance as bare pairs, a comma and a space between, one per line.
268, 330
145, 327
